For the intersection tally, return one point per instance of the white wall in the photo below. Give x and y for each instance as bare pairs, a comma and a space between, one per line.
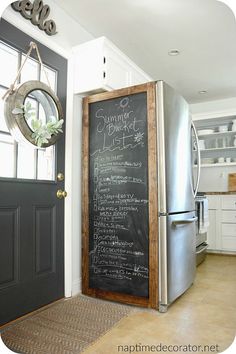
214, 108
70, 33
214, 179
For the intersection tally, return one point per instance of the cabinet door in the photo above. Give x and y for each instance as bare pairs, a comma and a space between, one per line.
211, 233
88, 67
228, 241
100, 66
228, 216
213, 201
116, 74
228, 223
228, 202
137, 78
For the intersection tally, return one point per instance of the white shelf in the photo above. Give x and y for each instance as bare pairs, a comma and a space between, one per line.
229, 148
217, 164
217, 134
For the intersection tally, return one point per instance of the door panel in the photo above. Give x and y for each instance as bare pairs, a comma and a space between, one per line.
176, 151
9, 246
31, 216
45, 228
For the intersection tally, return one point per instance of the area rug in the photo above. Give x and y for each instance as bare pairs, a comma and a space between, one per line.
67, 327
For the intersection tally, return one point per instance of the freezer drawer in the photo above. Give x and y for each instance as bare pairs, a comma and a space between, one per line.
177, 255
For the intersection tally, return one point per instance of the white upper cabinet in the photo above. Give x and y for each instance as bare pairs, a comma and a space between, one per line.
100, 66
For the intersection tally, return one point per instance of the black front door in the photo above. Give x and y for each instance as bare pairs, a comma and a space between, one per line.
31, 215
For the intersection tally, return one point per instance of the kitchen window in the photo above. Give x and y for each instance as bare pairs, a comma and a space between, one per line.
18, 160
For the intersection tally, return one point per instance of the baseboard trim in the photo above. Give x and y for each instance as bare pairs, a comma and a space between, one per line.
221, 253
76, 287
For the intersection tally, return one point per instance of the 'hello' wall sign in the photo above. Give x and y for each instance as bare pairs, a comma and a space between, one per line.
37, 13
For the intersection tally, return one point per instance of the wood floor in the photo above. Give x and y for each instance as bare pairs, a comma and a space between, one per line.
204, 315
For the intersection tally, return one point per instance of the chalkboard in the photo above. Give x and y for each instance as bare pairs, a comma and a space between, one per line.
119, 226
118, 195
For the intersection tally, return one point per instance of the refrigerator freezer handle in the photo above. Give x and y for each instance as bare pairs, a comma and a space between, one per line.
184, 221
198, 161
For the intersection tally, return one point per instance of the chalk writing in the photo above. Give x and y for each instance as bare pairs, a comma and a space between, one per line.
118, 247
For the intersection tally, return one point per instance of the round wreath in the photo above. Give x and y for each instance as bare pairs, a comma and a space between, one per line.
19, 112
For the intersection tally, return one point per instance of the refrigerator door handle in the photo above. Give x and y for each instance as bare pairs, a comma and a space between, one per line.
184, 221
198, 160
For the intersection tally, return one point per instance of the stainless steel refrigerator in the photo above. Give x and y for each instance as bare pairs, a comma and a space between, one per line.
177, 234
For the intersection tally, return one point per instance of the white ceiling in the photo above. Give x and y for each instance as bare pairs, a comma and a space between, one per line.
204, 31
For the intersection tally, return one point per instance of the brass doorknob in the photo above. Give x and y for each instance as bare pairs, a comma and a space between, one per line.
61, 194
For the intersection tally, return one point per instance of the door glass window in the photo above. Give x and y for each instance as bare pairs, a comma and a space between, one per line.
30, 69
19, 160
9, 64
51, 74
3, 126
46, 163
7, 156
26, 162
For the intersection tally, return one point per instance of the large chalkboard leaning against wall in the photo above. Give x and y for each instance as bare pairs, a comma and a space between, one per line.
120, 259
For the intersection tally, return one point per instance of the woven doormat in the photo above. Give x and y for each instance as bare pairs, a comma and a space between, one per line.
67, 327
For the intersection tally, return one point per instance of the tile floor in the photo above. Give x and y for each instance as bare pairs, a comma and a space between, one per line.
204, 315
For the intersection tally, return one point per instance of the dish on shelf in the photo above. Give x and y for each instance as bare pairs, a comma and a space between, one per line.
223, 128
221, 160
201, 144
207, 161
205, 131
234, 125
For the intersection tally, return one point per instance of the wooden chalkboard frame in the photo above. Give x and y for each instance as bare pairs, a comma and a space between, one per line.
152, 300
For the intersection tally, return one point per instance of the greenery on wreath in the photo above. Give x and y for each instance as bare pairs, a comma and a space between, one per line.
42, 133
